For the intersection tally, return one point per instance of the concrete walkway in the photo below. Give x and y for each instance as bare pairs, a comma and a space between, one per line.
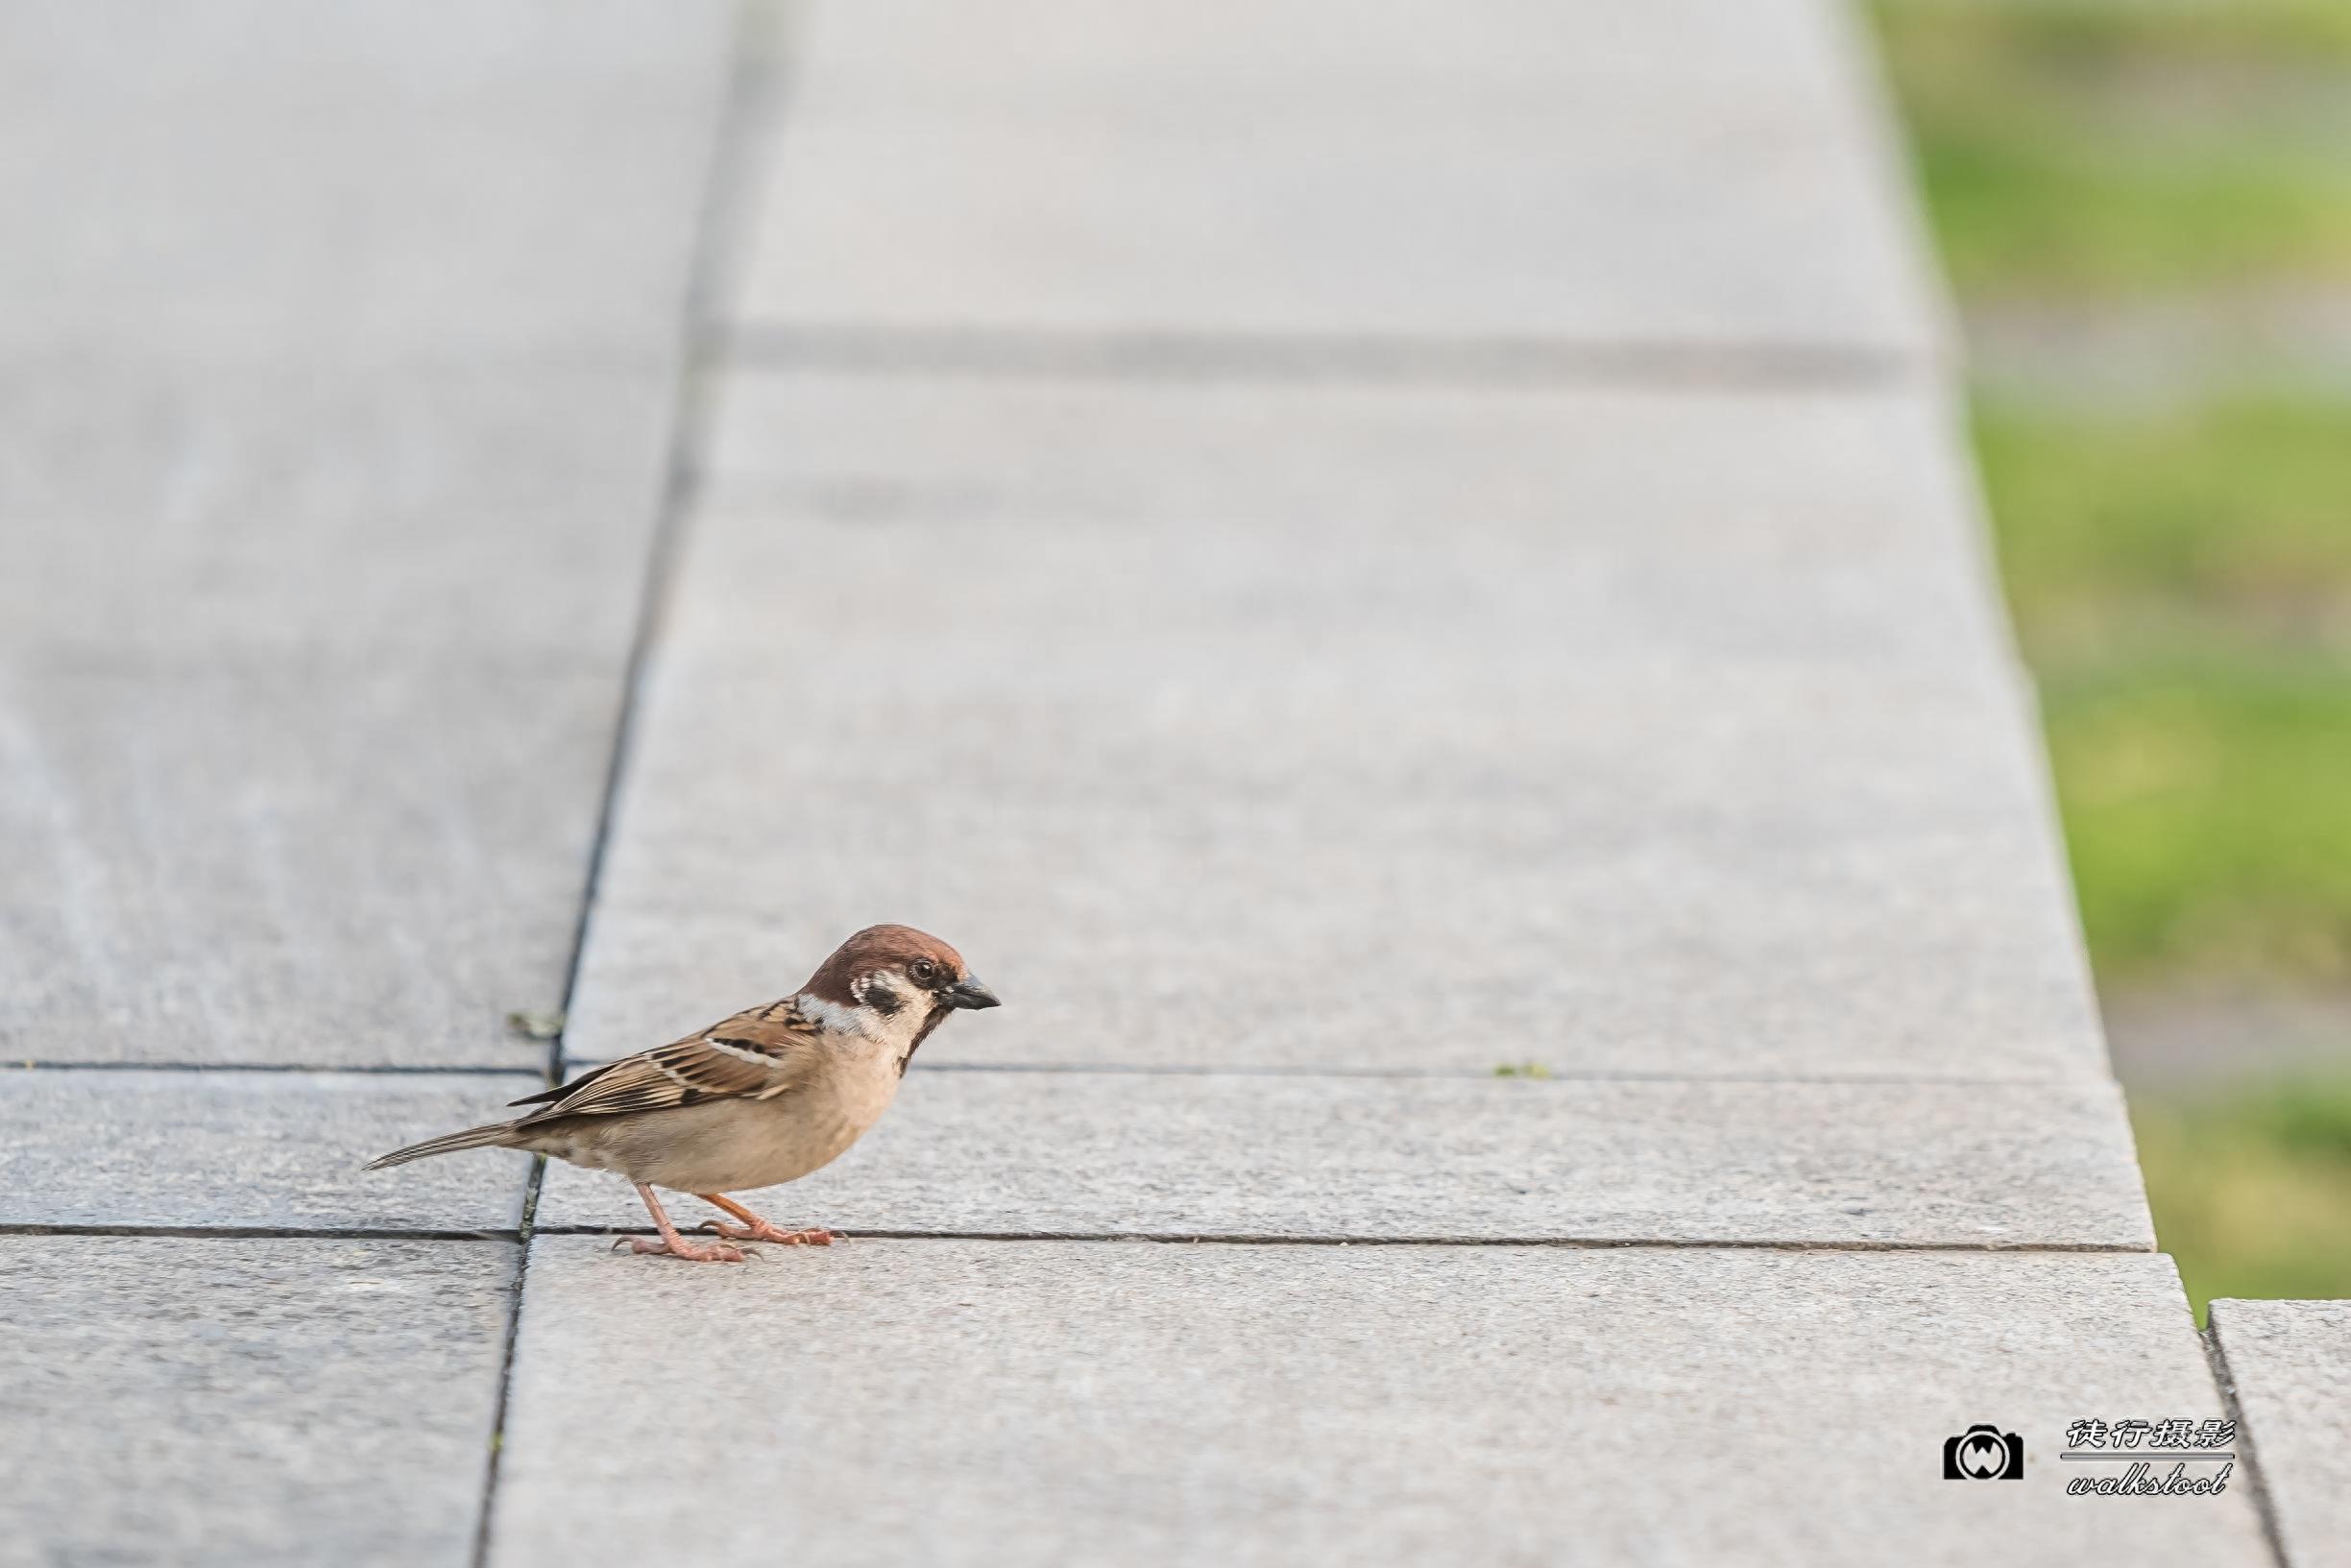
1400, 578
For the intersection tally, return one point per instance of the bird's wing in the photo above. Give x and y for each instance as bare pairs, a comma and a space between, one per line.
758, 1054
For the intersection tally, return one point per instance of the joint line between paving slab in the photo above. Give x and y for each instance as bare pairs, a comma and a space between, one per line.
1562, 1242
1173, 356
746, 105
506, 1360
517, 1070
266, 1233
531, 1229
2257, 1483
1248, 1070
1244, 1069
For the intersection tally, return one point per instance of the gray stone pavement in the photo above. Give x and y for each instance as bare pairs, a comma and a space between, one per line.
972, 1402
1435, 1159
2288, 1365
252, 1150
330, 190
1670, 731
1335, 549
246, 1401
339, 349
307, 861
340, 344
1158, 527
1700, 175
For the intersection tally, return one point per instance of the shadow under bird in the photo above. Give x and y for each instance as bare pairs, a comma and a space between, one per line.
765, 1096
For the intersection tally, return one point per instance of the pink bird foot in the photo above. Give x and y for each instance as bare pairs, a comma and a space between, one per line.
764, 1232
677, 1246
755, 1229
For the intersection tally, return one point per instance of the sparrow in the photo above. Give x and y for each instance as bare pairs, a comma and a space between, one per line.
765, 1096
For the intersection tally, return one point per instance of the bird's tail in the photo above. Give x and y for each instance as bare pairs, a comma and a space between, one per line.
498, 1134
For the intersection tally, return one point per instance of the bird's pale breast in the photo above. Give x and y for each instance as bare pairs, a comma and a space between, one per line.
726, 1146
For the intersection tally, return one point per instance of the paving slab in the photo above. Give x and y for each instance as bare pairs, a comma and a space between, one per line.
247, 1402
2290, 1363
354, 184
1270, 1155
1677, 871
467, 514
341, 865
1398, 728
252, 1150
341, 348
966, 1402
1813, 524
1315, 51
1504, 171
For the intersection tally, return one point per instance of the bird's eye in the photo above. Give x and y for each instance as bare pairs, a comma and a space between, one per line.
923, 970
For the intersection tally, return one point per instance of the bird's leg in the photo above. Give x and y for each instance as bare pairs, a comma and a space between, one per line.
755, 1229
674, 1245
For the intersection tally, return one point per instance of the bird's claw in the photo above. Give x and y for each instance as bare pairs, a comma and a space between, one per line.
715, 1252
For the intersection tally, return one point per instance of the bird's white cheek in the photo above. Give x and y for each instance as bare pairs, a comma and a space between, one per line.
895, 1030
899, 1029
831, 1017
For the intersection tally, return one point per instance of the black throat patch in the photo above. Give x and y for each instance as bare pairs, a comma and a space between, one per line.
938, 1016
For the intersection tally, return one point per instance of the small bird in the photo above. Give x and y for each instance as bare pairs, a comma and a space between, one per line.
765, 1096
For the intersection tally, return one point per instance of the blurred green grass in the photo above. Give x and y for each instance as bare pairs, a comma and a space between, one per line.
2205, 817
2181, 582
2179, 566
2252, 1193
2088, 146
2227, 521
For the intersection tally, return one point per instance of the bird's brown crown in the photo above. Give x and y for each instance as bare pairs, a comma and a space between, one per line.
879, 948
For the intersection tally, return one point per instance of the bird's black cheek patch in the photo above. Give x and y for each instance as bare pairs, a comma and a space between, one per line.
883, 1001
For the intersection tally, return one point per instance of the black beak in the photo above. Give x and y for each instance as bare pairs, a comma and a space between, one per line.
968, 992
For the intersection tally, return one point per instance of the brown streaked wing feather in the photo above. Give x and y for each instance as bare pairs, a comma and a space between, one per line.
758, 1054
563, 1089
